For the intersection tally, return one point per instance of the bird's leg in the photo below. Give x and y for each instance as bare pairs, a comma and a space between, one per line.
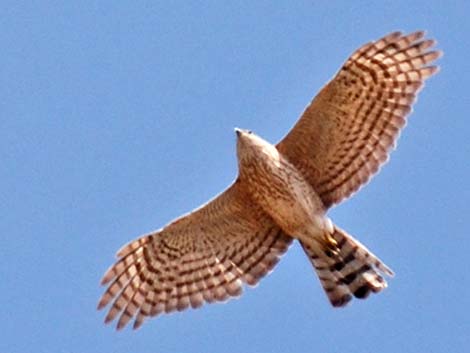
330, 244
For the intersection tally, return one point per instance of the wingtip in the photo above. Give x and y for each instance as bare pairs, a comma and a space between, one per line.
108, 275
101, 305
388, 271
419, 34
137, 324
435, 69
394, 34
429, 71
107, 320
105, 280
439, 53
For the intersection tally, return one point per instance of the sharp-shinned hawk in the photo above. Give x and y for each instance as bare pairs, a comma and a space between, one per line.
282, 193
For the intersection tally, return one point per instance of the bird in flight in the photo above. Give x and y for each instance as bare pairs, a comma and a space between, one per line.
282, 193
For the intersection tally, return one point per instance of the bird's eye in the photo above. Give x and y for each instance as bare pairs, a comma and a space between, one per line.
249, 132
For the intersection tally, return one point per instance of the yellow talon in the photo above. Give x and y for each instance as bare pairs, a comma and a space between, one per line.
331, 245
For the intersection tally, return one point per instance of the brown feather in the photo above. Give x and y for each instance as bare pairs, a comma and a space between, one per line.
348, 130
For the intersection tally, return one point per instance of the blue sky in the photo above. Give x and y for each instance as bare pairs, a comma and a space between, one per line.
116, 118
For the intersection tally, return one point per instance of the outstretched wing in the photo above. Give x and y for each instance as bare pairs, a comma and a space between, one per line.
347, 131
204, 256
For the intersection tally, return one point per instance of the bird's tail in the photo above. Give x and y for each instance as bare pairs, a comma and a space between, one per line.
345, 267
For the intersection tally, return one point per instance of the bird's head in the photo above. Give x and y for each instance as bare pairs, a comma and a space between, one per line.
246, 142
251, 146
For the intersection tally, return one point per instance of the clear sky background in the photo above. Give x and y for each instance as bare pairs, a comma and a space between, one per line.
115, 118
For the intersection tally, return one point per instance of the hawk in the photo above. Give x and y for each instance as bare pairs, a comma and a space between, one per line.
283, 193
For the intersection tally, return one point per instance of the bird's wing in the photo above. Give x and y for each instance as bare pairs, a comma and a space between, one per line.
204, 256
347, 131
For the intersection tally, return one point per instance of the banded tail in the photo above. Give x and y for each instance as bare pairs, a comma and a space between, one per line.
347, 268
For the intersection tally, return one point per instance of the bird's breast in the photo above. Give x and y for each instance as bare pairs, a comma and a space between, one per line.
281, 190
